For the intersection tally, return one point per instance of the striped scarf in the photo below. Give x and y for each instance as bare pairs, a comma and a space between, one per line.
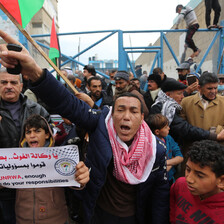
133, 164
169, 105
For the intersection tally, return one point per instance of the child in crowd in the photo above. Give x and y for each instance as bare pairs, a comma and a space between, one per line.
159, 125
198, 197
43, 205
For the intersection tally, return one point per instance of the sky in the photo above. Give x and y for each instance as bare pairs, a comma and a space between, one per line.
99, 15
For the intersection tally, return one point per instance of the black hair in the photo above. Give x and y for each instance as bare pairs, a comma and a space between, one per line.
179, 7
208, 77
90, 69
157, 71
208, 153
127, 94
157, 121
93, 78
71, 77
134, 79
113, 71
36, 121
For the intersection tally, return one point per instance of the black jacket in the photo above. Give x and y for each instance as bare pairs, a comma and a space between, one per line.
180, 129
148, 100
107, 100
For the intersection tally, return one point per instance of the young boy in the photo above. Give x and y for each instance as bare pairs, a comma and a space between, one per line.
43, 205
198, 197
159, 125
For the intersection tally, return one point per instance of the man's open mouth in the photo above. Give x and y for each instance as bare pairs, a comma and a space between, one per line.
125, 127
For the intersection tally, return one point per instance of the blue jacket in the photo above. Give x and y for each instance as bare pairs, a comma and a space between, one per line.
172, 150
152, 195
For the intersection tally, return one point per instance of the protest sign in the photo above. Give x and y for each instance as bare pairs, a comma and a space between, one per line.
38, 167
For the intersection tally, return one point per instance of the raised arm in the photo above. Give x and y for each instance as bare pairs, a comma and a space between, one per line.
52, 92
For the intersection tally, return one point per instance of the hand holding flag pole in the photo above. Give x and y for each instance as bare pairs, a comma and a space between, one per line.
30, 39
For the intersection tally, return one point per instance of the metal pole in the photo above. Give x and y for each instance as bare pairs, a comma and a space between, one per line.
207, 51
171, 50
161, 51
220, 63
122, 57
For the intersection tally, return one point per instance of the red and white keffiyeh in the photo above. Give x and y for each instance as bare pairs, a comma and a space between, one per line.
132, 164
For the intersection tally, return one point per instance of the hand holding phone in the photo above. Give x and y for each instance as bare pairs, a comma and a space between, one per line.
18, 68
191, 80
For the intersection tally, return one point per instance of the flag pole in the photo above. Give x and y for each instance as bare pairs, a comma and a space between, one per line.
220, 63
23, 31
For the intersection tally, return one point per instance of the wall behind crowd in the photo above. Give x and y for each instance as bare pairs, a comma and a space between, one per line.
202, 40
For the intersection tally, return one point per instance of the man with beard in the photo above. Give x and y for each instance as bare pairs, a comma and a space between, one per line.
99, 97
122, 85
88, 72
136, 82
183, 70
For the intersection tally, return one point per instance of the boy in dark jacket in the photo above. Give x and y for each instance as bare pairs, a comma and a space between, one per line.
159, 125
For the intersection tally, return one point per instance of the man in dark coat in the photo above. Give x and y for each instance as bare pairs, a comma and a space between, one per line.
96, 93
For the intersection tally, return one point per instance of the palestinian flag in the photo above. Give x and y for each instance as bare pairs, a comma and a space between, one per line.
54, 51
22, 10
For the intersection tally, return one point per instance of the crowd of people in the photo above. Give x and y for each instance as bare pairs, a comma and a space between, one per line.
147, 155
155, 156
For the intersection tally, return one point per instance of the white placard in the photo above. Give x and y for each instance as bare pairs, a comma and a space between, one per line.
38, 167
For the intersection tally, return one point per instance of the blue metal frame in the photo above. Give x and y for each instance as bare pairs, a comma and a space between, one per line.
221, 51
207, 51
123, 58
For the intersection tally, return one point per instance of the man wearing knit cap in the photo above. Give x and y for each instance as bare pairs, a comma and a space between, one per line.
168, 104
122, 85
154, 83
